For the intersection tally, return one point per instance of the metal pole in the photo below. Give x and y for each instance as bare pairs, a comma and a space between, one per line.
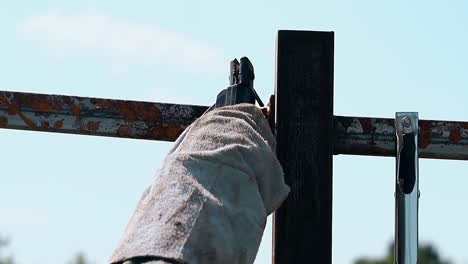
406, 189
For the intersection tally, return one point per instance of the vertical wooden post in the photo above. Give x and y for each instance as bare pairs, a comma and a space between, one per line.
304, 133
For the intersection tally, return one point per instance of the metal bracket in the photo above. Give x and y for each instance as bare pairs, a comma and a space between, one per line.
407, 188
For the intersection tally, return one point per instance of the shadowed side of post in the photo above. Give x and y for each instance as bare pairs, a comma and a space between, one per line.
304, 133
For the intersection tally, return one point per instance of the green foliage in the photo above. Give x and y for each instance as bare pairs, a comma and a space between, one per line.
427, 254
78, 259
5, 260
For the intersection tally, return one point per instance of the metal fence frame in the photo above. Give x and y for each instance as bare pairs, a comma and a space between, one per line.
307, 133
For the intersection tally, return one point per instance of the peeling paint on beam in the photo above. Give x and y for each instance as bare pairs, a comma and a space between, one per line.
376, 137
95, 116
160, 121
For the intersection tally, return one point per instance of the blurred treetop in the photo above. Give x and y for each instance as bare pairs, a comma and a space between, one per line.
427, 254
3, 259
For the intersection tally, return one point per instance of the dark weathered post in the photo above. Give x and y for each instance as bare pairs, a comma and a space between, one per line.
304, 131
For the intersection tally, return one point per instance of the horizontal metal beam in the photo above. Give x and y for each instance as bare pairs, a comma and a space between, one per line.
160, 121
376, 137
94, 116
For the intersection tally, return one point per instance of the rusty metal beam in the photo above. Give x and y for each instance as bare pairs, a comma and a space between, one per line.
94, 116
376, 137
160, 121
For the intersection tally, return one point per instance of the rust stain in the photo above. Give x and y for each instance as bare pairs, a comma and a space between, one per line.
27, 121
93, 125
13, 109
75, 110
148, 112
58, 107
126, 112
100, 103
58, 125
166, 132
123, 131
455, 136
66, 99
34, 101
155, 132
104, 103
368, 128
133, 111
425, 133
39, 104
3, 100
173, 132
366, 125
3, 121
45, 125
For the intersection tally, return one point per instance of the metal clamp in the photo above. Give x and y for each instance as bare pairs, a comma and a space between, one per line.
407, 188
241, 89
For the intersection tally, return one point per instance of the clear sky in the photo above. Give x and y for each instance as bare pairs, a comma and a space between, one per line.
60, 194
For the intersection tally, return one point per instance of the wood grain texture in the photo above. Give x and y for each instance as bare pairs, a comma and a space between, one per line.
304, 132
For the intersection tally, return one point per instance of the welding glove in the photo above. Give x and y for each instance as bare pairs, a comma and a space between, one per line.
210, 200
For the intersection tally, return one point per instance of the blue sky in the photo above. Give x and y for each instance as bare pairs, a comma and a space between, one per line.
63, 193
